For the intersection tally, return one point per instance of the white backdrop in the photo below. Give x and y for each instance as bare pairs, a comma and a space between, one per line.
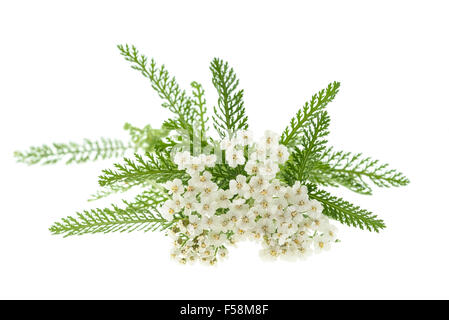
62, 79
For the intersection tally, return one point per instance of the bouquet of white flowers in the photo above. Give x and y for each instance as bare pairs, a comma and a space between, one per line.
254, 206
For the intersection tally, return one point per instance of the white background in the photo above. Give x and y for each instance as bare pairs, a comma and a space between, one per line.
62, 79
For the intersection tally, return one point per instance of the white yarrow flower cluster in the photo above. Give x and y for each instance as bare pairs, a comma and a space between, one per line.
254, 206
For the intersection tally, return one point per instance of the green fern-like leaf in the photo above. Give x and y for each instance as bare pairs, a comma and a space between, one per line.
308, 113
229, 115
200, 101
88, 150
155, 166
139, 215
345, 212
321, 176
302, 160
174, 99
354, 172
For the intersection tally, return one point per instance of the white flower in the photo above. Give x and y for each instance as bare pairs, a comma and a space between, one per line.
277, 186
227, 144
255, 235
279, 154
244, 137
280, 206
289, 253
265, 209
223, 198
224, 223
191, 190
240, 233
304, 249
270, 139
260, 153
206, 207
269, 253
280, 237
289, 228
182, 159
194, 226
190, 204
169, 209
302, 234
235, 158
249, 191
318, 222
222, 253
316, 206
238, 207
269, 169
289, 195
330, 232
304, 206
295, 214
237, 186
258, 183
210, 222
252, 167
209, 160
178, 202
201, 180
299, 190
174, 187
264, 193
265, 226
321, 244
208, 190
215, 238
195, 166
255, 212
247, 221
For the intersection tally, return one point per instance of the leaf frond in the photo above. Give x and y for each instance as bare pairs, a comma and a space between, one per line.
88, 150
166, 86
200, 101
302, 160
345, 212
139, 215
308, 113
155, 166
354, 172
229, 114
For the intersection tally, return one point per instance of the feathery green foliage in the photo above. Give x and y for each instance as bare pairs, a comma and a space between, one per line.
345, 212
200, 101
89, 150
139, 215
354, 172
175, 99
155, 166
313, 143
308, 113
230, 114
